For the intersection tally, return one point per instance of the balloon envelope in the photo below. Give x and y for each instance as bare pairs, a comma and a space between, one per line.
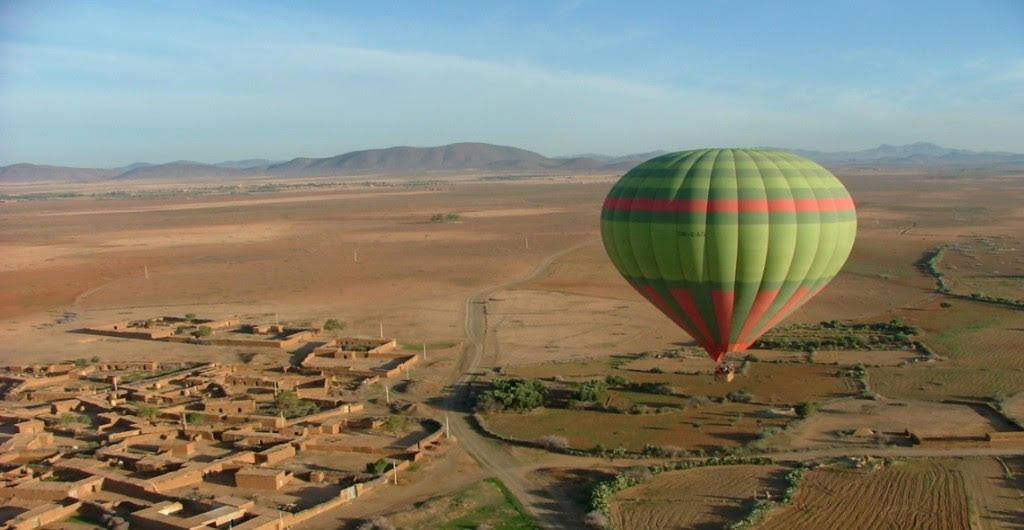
728, 242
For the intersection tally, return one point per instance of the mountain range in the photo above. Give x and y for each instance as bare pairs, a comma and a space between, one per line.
461, 157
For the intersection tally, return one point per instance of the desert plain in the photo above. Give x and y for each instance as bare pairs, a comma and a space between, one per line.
506, 277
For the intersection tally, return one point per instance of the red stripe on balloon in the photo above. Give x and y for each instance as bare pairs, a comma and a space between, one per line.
826, 204
661, 304
686, 302
762, 302
723, 302
800, 296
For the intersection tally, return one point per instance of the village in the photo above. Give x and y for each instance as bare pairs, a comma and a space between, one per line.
185, 445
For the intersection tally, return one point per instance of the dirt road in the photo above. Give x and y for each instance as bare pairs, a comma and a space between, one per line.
548, 508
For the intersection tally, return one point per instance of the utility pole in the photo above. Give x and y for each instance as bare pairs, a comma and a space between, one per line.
394, 467
447, 427
387, 394
424, 351
527, 238
145, 270
382, 329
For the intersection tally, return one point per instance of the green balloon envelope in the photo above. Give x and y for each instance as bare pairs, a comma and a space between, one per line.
728, 242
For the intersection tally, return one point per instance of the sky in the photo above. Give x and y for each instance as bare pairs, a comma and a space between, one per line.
105, 84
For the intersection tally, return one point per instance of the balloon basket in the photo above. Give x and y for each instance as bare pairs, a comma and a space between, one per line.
725, 377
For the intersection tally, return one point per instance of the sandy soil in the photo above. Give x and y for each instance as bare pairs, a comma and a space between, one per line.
923, 418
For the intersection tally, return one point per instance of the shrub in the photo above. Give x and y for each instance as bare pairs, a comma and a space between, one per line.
740, 396
519, 395
288, 403
203, 331
81, 361
145, 410
333, 324
592, 390
194, 418
378, 467
190, 316
806, 409
94, 359
398, 424
73, 418
553, 442
616, 380
945, 304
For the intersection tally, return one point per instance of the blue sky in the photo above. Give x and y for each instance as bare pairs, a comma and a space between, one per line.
105, 84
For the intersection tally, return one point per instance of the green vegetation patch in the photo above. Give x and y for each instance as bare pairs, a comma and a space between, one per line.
835, 335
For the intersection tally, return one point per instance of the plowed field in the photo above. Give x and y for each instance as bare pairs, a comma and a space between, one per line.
708, 497
914, 495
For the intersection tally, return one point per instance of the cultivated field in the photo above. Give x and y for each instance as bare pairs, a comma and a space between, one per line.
700, 428
710, 497
908, 495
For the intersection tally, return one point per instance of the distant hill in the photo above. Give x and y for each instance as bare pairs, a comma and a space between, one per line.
37, 173
459, 157
182, 170
920, 154
612, 159
248, 163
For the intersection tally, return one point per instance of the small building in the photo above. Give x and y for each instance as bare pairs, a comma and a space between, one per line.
260, 478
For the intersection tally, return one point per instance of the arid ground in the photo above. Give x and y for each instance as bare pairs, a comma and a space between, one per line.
516, 281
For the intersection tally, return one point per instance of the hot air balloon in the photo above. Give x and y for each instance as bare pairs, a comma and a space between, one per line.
728, 242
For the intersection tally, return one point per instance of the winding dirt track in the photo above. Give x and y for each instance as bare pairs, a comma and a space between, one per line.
549, 508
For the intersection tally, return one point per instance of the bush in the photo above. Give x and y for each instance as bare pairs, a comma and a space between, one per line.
520, 395
194, 418
616, 380
593, 390
94, 359
145, 410
398, 424
190, 316
73, 418
945, 304
203, 331
81, 361
806, 409
378, 467
553, 442
333, 324
740, 396
289, 404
